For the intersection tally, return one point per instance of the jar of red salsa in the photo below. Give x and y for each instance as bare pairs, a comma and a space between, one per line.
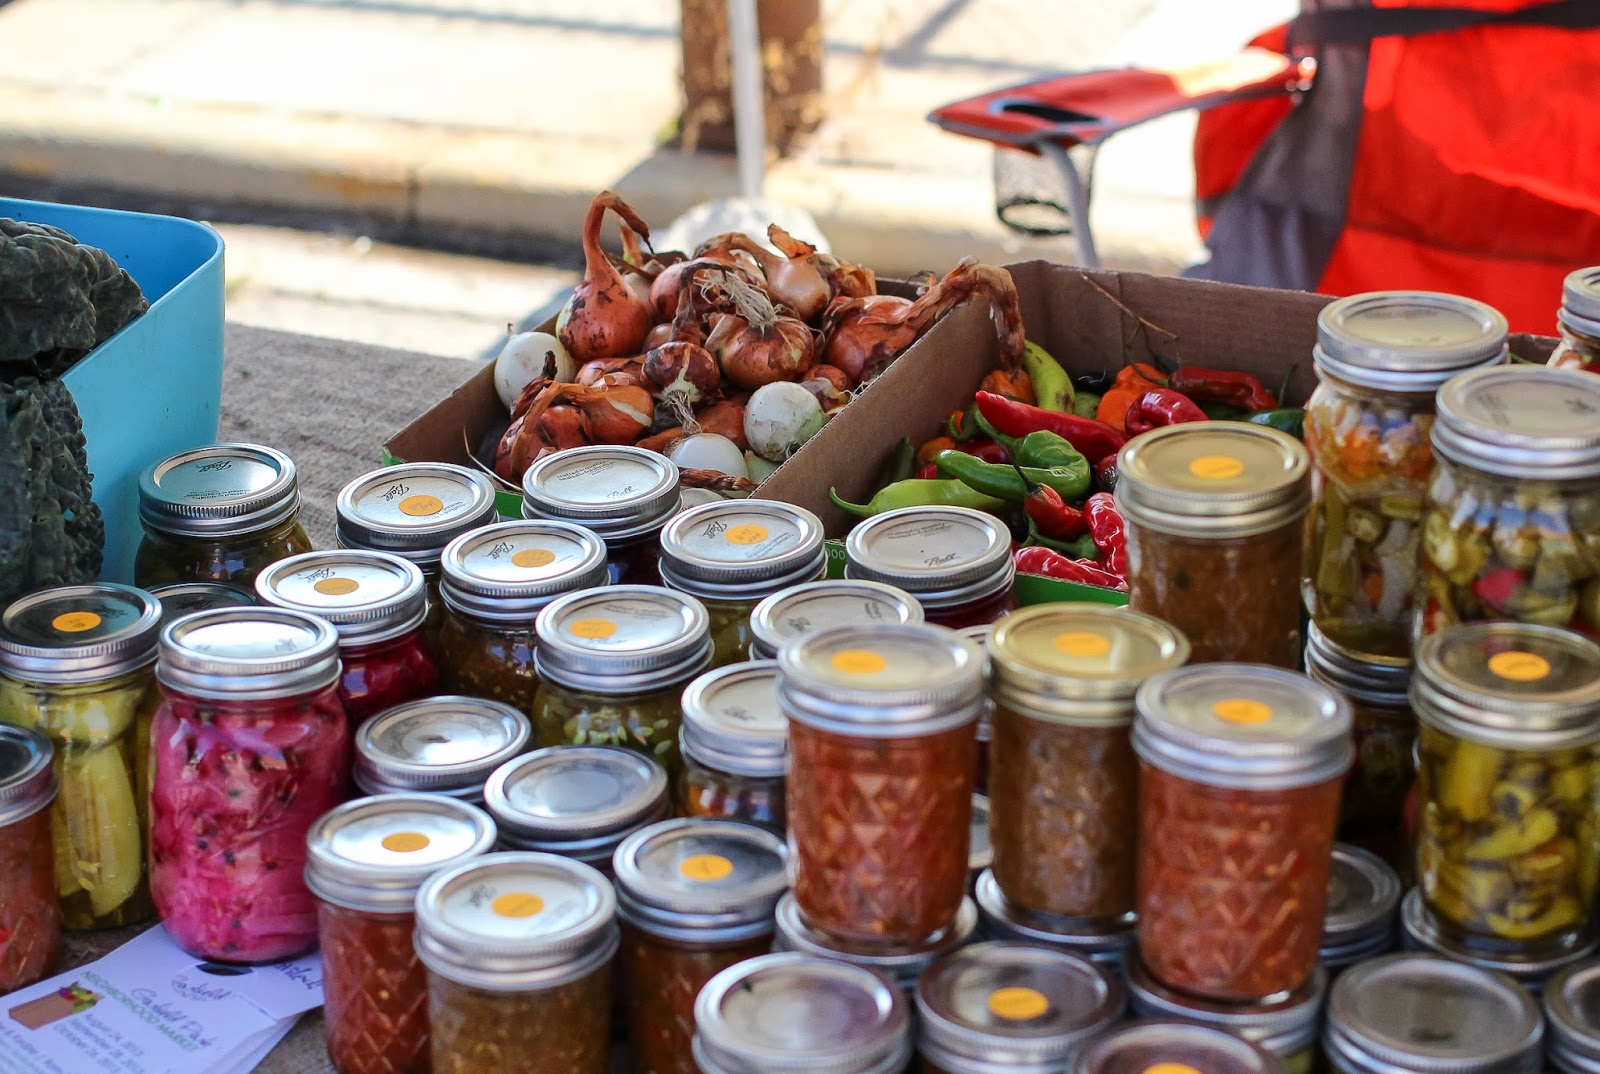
956, 562
1239, 778
624, 495
250, 747
30, 924
813, 606
365, 861
446, 745
695, 897
735, 746
882, 733
377, 603
904, 964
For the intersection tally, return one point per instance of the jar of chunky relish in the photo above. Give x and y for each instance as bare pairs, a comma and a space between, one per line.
365, 861
794, 1014
494, 582
518, 949
902, 963
956, 562
612, 667
77, 663
624, 495
1572, 1019
1239, 777
1064, 800
1214, 512
181, 598
250, 747
695, 897
446, 745
1363, 897
30, 924
735, 746
1150, 1046
580, 802
882, 732
217, 514
1421, 930
1287, 1026
377, 604
999, 919
812, 606
1579, 322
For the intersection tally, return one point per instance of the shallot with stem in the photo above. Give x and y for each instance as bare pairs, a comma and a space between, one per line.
605, 318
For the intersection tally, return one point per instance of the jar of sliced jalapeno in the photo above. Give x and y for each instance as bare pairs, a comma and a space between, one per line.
735, 746
813, 606
1572, 1019
1508, 749
1380, 358
1164, 1047
1579, 322
447, 745
1421, 930
955, 561
30, 924
1512, 522
903, 963
624, 495
217, 514
999, 919
1363, 898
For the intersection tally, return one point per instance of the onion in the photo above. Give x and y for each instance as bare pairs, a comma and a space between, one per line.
758, 468
666, 290
683, 370
592, 373
528, 355
843, 277
779, 418
617, 413
756, 345
708, 451
663, 440
725, 417
793, 281
661, 333
606, 318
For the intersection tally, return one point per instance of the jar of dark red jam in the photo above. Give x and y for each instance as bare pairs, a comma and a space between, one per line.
735, 746
814, 606
446, 745
624, 495
377, 603
955, 561
365, 861
30, 924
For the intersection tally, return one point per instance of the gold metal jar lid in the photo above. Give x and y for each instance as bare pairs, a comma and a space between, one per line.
1213, 479
79, 633
369, 597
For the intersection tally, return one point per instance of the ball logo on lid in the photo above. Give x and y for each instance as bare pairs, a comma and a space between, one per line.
405, 842
517, 904
421, 506
858, 662
747, 534
1082, 643
1018, 1004
1216, 467
534, 557
75, 622
336, 587
705, 868
1514, 665
593, 629
1242, 710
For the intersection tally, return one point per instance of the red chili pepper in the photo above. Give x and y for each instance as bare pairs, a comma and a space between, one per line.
929, 472
1105, 474
1109, 533
1498, 587
1052, 564
1222, 386
1161, 406
1050, 513
1092, 439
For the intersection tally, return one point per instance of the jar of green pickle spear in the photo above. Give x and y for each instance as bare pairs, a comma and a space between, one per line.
1579, 322
732, 555
1422, 931
813, 606
78, 663
1507, 846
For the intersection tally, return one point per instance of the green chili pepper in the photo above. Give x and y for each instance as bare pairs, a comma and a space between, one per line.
1078, 548
1007, 482
1288, 419
1084, 404
1224, 411
1052, 387
918, 493
901, 464
1040, 448
965, 427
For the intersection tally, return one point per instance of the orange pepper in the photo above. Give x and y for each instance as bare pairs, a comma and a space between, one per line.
1140, 375
1115, 404
1018, 385
930, 449
1359, 455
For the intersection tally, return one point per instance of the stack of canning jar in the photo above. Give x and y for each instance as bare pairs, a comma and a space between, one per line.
735, 746
955, 561
624, 495
813, 606
446, 745
903, 962
1579, 321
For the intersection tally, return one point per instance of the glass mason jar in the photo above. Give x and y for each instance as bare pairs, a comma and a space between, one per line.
1421, 930
494, 582
736, 553
979, 636
980, 844
612, 667
956, 562
1239, 777
77, 663
221, 513
882, 733
812, 606
792, 1012
1572, 1019
1508, 751
624, 495
1064, 799
1363, 896
181, 598
1156, 1047
30, 923
250, 747
377, 604
1011, 1006
365, 861
695, 897
518, 949
735, 747
1422, 1012
1512, 522
446, 745
1214, 514
999, 919
1579, 322
1380, 358
580, 802
1377, 687
1287, 1027
902, 963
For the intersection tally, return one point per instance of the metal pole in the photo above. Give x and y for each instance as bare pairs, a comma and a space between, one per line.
749, 106
1077, 202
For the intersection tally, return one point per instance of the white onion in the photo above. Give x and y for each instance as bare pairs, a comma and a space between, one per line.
523, 359
759, 469
708, 451
779, 418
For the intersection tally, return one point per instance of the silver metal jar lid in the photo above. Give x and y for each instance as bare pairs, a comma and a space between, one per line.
1407, 341
731, 720
248, 654
27, 773
1511, 685
1363, 895
1213, 479
943, 556
795, 1014
700, 881
1572, 1012
805, 609
369, 597
1521, 421
1145, 1046
617, 492
576, 801
1079, 663
448, 744
220, 489
508, 572
1580, 302
413, 510
1004, 920
373, 854
1243, 725
1423, 1014
1285, 1027
742, 549
903, 963
1378, 680
514, 922
980, 852
882, 682
1004, 1005
181, 598
79, 633
1530, 965
623, 639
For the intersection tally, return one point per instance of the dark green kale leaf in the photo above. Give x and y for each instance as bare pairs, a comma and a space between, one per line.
51, 532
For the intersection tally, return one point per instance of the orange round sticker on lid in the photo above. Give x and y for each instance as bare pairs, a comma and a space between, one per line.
75, 622
405, 842
1242, 710
421, 506
336, 587
533, 557
517, 904
1170, 1068
593, 629
858, 662
1216, 467
706, 867
1082, 643
1518, 666
1018, 1004
748, 534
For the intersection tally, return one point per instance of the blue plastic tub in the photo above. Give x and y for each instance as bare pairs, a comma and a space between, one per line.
156, 386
